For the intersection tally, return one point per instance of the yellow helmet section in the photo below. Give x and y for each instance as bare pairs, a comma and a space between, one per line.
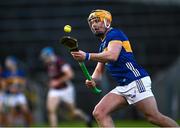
101, 14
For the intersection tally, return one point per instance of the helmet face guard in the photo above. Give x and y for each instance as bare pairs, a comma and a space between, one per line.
100, 16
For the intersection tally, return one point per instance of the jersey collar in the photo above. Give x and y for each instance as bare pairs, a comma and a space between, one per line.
106, 34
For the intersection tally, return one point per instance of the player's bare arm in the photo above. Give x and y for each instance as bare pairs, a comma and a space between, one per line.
68, 75
111, 54
99, 70
97, 75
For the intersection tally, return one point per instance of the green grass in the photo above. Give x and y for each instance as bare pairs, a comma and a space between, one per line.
120, 123
133, 123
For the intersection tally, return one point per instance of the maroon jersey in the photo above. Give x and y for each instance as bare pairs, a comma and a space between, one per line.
55, 71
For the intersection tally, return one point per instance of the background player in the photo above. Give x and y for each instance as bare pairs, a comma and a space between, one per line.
133, 82
15, 99
2, 99
60, 87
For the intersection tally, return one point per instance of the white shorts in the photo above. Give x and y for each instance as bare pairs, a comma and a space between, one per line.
135, 91
2, 97
66, 94
12, 100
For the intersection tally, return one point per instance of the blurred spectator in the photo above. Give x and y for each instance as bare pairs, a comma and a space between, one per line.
16, 102
60, 87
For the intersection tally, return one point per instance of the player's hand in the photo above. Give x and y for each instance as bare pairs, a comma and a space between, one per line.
90, 83
79, 55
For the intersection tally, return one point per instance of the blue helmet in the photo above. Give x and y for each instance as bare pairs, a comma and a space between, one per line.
46, 52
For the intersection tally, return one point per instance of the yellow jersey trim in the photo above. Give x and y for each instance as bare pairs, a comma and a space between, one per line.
126, 44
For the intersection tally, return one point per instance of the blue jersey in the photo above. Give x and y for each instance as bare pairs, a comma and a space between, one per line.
14, 77
125, 69
18, 73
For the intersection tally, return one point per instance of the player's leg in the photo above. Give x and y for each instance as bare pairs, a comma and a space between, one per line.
108, 104
52, 105
146, 103
68, 96
11, 105
2, 115
149, 107
22, 102
75, 112
15, 101
26, 114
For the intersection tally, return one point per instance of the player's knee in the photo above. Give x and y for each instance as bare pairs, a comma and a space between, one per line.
51, 109
98, 113
150, 118
153, 117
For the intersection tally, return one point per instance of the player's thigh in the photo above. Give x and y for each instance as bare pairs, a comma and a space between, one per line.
147, 106
110, 103
52, 102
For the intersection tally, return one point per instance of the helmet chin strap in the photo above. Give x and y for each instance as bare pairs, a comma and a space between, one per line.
105, 24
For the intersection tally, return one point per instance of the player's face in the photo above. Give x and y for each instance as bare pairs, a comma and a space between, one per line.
97, 27
10, 64
49, 59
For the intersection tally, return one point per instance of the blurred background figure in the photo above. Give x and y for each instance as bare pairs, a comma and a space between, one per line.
61, 89
2, 99
15, 99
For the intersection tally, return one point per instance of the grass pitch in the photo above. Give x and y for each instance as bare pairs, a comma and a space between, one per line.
118, 123
124, 123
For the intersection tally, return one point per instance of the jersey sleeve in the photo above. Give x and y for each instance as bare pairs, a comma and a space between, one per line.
117, 35
120, 37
